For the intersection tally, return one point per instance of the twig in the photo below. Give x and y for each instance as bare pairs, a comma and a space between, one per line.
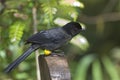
34, 19
107, 17
34, 12
110, 6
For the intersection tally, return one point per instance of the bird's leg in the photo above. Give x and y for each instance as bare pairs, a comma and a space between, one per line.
58, 51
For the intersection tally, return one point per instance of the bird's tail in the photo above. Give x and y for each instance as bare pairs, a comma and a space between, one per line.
21, 58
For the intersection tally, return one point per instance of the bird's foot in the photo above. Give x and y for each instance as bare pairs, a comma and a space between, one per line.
61, 54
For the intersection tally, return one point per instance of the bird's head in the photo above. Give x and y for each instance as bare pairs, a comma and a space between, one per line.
73, 28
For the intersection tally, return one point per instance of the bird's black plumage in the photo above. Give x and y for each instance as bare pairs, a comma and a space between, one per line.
51, 39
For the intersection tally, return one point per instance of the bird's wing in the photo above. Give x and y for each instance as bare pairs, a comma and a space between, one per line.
39, 38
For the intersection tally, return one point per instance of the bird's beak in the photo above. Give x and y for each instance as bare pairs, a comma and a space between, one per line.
83, 28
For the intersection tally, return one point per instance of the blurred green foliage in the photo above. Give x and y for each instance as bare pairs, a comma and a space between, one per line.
92, 55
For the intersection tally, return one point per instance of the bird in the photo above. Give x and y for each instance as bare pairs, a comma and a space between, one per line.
47, 40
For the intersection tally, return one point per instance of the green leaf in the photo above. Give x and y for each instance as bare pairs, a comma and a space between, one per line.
22, 76
16, 31
2, 54
49, 10
97, 70
83, 67
110, 68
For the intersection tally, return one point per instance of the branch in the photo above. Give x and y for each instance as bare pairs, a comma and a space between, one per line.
34, 13
107, 17
54, 67
110, 6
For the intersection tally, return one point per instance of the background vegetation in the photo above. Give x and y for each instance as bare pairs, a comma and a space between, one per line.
92, 55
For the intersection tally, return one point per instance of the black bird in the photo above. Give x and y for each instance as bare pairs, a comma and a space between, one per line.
48, 40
